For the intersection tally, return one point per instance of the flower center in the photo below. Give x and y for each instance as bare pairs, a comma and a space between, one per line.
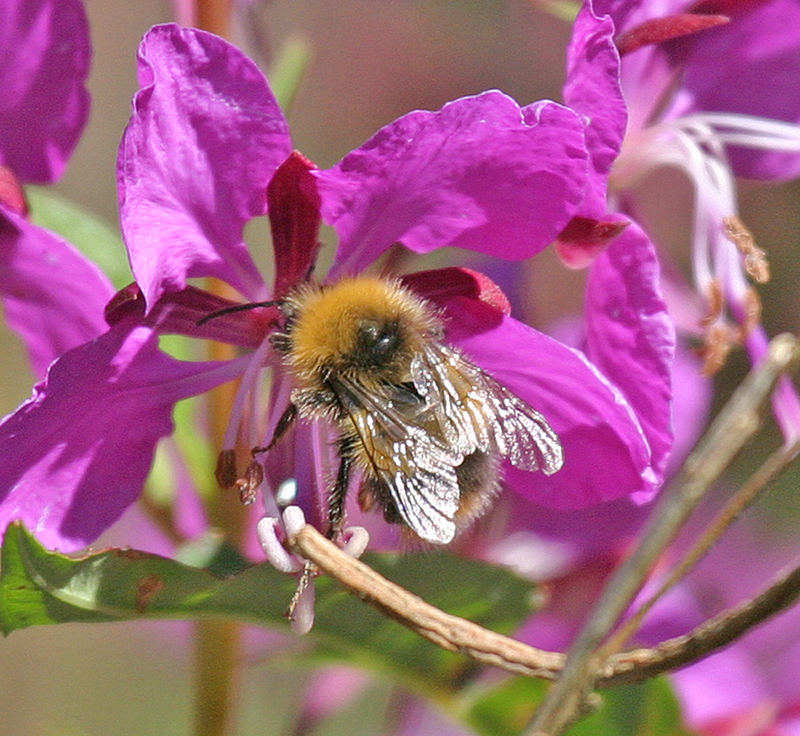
724, 255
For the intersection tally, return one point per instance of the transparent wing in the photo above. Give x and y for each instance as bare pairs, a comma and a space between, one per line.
475, 412
416, 467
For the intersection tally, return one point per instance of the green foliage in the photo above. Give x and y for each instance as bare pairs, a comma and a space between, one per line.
93, 237
644, 709
212, 580
41, 587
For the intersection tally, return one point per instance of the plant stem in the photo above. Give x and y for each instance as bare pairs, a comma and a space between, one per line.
736, 423
214, 16
216, 670
775, 464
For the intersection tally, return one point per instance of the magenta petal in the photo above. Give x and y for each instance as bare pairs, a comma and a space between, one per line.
52, 296
592, 89
480, 174
761, 48
605, 452
77, 453
630, 336
204, 140
44, 62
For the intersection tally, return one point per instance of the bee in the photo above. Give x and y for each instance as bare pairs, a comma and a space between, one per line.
426, 428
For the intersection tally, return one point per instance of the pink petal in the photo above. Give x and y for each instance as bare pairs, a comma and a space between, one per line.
77, 453
52, 296
630, 336
204, 140
605, 451
592, 89
44, 62
479, 174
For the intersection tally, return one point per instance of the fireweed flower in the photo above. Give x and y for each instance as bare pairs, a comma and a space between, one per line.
707, 88
52, 297
208, 149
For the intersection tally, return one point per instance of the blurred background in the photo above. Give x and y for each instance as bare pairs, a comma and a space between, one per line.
371, 62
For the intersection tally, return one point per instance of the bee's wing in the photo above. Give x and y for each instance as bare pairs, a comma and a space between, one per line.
477, 413
417, 468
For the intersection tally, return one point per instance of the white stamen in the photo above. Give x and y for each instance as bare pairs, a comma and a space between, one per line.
293, 520
357, 541
303, 613
248, 384
278, 556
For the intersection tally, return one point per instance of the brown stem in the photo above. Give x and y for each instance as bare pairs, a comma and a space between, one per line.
717, 632
444, 629
735, 425
775, 464
214, 16
488, 647
217, 645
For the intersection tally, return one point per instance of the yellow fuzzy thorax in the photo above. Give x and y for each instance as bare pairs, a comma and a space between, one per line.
324, 330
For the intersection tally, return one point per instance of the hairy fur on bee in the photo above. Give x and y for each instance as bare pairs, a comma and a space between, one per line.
425, 426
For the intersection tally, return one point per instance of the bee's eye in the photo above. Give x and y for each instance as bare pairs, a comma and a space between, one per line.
377, 342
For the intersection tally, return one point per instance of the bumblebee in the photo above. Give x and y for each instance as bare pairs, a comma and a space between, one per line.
426, 428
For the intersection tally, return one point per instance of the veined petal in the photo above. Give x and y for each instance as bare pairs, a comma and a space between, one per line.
78, 451
630, 336
479, 174
592, 89
606, 454
44, 105
204, 140
761, 48
53, 297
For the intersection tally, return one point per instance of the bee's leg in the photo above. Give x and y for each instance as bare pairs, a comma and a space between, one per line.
337, 496
286, 420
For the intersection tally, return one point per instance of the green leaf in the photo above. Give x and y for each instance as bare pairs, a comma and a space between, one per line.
644, 709
93, 237
289, 69
41, 587
506, 709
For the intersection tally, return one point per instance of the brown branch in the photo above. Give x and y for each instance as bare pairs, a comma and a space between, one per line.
733, 427
775, 464
717, 632
447, 631
487, 647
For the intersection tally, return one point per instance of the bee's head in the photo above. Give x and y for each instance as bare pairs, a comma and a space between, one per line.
363, 325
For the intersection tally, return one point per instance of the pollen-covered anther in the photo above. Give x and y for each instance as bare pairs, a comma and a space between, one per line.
719, 339
248, 485
755, 258
716, 303
752, 312
225, 472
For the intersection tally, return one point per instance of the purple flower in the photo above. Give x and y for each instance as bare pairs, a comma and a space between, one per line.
707, 88
52, 297
44, 62
207, 149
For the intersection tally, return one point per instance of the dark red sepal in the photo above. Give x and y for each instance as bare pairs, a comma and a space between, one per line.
293, 203
12, 195
584, 238
659, 30
471, 290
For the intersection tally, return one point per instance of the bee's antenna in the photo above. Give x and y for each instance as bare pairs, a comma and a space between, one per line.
236, 308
